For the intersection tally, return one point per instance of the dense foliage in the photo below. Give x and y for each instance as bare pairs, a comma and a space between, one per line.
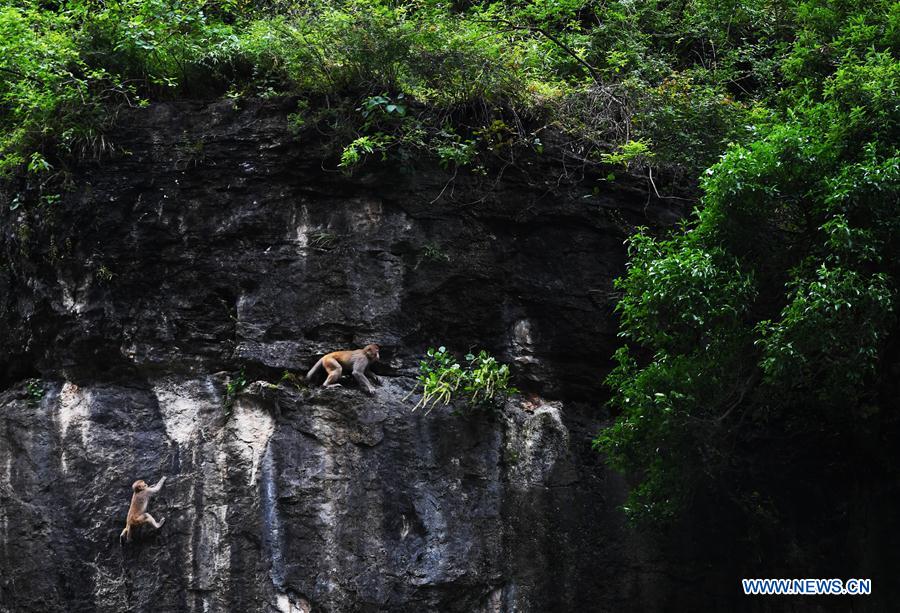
459, 80
761, 337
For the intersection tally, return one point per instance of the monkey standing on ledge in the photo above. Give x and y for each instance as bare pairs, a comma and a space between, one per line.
359, 360
137, 512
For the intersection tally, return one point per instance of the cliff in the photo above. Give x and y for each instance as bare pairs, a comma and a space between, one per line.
213, 242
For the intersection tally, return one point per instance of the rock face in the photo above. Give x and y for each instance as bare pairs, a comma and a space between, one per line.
213, 242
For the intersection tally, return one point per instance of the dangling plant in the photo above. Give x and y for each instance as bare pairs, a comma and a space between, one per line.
482, 382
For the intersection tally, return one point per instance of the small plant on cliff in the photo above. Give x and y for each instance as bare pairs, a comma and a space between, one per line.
355, 152
629, 153
296, 381
323, 241
233, 387
483, 382
383, 104
432, 252
34, 390
104, 274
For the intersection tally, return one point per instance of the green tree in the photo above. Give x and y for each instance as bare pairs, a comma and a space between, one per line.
759, 335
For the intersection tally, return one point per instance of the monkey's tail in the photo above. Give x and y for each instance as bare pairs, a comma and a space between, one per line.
314, 369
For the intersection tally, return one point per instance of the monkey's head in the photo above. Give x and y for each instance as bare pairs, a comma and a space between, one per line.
139, 486
371, 352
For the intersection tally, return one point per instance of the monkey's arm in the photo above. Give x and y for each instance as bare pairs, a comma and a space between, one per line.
359, 373
157, 487
373, 376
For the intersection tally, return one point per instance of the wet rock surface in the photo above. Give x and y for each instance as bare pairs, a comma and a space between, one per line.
214, 242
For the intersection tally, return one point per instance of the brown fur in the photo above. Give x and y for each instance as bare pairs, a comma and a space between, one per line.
137, 512
358, 361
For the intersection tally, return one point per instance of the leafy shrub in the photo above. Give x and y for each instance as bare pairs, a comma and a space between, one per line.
46, 88
482, 382
424, 76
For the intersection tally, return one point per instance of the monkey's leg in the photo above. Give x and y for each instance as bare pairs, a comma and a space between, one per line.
312, 371
126, 534
149, 519
334, 373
